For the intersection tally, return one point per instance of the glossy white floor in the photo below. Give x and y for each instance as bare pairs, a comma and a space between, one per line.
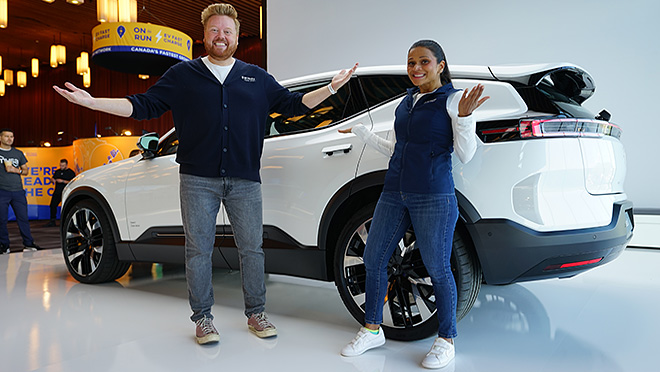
604, 320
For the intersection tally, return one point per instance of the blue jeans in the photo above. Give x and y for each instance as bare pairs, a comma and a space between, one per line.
18, 203
200, 204
433, 217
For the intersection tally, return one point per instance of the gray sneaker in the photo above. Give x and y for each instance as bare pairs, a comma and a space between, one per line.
261, 326
205, 333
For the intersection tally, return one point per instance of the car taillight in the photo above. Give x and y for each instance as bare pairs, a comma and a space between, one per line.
512, 130
573, 264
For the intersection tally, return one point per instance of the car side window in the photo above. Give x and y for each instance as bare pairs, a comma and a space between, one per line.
379, 89
169, 145
334, 109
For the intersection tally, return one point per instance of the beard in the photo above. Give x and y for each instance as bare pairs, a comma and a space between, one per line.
220, 55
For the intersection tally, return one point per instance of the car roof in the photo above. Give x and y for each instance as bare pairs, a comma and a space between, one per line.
515, 72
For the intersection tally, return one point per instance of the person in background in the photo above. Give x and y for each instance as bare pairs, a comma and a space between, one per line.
14, 165
432, 121
61, 177
219, 105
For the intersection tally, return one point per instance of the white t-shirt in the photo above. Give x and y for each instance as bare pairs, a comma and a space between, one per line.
220, 72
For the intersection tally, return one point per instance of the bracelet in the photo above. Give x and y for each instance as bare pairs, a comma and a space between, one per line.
331, 89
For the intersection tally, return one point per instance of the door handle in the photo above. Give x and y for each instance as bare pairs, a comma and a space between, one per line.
337, 150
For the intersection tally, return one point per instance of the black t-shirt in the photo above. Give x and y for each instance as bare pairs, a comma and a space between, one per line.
66, 175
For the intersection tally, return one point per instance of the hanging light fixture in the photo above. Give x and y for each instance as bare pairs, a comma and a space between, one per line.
49, 1
84, 61
0, 63
124, 10
143, 77
35, 67
9, 77
61, 54
21, 79
87, 79
79, 71
102, 10
75, 2
113, 12
3, 13
2, 88
134, 10
53, 56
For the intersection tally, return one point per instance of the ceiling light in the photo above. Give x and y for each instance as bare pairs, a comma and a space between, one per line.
35, 67
21, 79
61, 54
48, 1
84, 61
3, 13
9, 77
2, 88
87, 79
75, 2
0, 63
53, 56
143, 77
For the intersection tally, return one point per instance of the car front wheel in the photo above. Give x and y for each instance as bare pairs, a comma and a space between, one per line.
88, 245
409, 311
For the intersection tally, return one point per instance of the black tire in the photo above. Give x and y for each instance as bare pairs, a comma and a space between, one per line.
88, 246
407, 277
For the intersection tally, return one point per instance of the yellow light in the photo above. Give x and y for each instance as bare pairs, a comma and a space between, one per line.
87, 79
102, 10
75, 2
35, 67
261, 22
48, 1
98, 135
84, 61
60, 133
21, 79
61, 54
143, 77
125, 10
134, 10
78, 69
126, 132
0, 63
9, 77
112, 11
3, 13
2, 88
46, 144
53, 56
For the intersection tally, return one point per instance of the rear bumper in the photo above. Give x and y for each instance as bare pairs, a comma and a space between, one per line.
510, 252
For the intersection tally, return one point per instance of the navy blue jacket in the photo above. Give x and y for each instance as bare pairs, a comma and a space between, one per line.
221, 127
421, 162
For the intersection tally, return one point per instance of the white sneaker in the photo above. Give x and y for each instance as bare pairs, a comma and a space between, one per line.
442, 352
365, 340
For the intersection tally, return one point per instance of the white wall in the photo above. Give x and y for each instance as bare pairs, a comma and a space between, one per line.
616, 41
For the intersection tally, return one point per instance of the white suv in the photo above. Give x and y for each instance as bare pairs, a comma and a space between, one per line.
542, 198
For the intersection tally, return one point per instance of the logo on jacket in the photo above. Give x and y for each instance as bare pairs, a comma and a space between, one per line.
431, 100
248, 79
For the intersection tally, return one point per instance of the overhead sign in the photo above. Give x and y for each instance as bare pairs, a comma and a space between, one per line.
139, 48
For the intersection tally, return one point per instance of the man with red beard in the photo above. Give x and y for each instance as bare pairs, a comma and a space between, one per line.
219, 105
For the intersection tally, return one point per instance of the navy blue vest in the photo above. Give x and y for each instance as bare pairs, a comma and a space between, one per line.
421, 162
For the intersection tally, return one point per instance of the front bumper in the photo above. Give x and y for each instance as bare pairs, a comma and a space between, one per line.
510, 252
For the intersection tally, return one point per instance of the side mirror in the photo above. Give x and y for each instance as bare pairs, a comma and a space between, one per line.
148, 144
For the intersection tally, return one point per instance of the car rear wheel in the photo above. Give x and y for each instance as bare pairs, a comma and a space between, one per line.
409, 311
88, 245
